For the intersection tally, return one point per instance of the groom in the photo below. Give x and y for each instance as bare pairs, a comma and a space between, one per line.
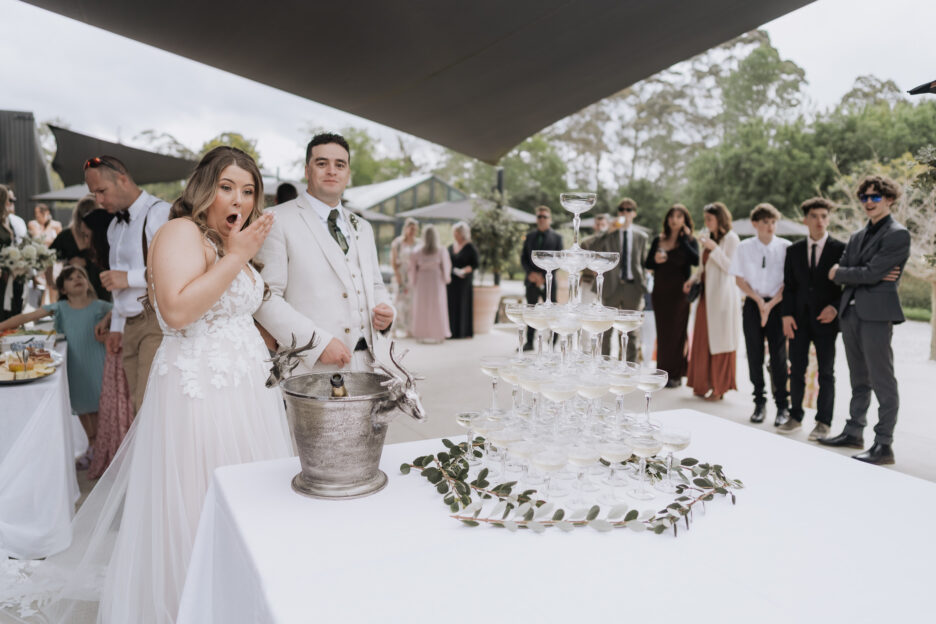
320, 262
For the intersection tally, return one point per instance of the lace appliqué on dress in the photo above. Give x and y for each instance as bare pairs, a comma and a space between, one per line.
215, 348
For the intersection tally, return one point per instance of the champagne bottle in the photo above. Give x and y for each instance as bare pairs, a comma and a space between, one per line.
338, 388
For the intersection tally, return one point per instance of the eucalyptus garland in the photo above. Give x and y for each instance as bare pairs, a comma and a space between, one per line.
477, 502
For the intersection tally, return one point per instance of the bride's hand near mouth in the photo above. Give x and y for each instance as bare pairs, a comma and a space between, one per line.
245, 243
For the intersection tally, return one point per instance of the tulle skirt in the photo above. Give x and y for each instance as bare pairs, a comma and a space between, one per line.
133, 536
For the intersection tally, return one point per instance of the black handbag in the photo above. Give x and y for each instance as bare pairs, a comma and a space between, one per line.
694, 291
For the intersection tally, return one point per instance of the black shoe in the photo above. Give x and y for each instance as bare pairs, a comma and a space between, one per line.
528, 347
878, 454
673, 383
843, 439
759, 414
783, 416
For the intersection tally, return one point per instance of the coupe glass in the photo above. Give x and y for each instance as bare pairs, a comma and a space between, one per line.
502, 438
467, 420
514, 313
559, 390
626, 321
591, 386
511, 374
549, 262
572, 261
538, 318
521, 451
601, 262
583, 455
614, 453
596, 320
549, 461
644, 446
577, 203
623, 381
490, 366
650, 381
673, 440
565, 322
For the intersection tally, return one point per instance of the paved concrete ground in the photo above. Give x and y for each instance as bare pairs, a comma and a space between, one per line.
455, 383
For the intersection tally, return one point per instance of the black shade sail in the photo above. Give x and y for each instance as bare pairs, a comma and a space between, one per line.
927, 87
73, 149
478, 76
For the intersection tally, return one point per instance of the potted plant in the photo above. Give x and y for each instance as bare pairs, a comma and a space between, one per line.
497, 239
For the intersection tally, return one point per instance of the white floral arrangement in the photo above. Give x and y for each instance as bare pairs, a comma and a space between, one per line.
26, 258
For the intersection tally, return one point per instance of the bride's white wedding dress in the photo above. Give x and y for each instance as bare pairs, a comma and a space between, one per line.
205, 406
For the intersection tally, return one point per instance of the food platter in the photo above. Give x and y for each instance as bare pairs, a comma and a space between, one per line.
40, 364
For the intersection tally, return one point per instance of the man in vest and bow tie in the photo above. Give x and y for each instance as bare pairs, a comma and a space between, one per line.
320, 262
138, 216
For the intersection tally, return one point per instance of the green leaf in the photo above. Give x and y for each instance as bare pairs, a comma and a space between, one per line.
559, 515
484, 473
631, 515
646, 514
470, 523
593, 513
510, 526
688, 461
600, 525
618, 511
536, 527
658, 529
522, 509
528, 516
721, 490
454, 507
404, 468
579, 514
499, 508
637, 527
565, 525
702, 483
544, 511
442, 488
447, 443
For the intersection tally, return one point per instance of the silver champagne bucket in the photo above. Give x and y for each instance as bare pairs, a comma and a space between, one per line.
340, 440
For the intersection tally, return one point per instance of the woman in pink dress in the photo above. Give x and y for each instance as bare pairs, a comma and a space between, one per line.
430, 269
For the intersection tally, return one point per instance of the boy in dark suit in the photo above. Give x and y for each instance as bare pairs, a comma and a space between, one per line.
810, 314
870, 270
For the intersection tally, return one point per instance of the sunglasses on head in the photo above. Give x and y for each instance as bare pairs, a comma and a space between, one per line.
97, 161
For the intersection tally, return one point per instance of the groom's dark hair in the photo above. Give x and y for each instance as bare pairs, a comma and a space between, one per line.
325, 138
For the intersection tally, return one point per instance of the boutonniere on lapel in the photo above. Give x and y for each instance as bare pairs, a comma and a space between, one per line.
354, 222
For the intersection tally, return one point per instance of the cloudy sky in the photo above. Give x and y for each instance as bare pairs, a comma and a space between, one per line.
42, 70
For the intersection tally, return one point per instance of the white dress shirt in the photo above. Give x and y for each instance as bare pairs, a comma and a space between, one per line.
323, 210
819, 245
761, 265
126, 254
19, 228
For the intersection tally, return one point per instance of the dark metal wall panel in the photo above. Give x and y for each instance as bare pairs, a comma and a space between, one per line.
21, 164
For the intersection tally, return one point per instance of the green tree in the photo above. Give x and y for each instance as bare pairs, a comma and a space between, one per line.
232, 139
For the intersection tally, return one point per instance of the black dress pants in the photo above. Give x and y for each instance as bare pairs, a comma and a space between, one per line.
754, 336
823, 336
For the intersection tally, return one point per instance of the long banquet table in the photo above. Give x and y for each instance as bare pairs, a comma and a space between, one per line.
39, 439
815, 537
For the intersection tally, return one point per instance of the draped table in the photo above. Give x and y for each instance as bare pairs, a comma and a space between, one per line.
39, 440
815, 536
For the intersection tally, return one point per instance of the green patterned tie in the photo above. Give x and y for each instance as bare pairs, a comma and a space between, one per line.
335, 232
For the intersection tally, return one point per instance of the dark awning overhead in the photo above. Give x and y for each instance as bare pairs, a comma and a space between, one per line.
477, 76
73, 149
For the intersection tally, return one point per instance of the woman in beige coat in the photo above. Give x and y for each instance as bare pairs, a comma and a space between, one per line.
712, 359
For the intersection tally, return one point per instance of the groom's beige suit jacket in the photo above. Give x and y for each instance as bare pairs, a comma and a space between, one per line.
315, 288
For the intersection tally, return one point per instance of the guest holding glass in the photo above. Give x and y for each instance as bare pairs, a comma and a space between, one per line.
430, 269
401, 249
713, 358
671, 258
44, 228
465, 261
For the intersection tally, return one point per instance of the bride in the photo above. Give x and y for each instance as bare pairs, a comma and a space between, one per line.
205, 406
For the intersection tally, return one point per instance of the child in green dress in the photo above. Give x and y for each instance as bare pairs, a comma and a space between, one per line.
76, 312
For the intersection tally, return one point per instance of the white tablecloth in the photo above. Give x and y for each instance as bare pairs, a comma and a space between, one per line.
815, 537
39, 440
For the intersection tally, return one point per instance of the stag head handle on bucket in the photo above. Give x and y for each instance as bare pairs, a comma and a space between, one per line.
285, 361
403, 395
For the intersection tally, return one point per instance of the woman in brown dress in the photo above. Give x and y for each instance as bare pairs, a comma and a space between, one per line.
671, 258
714, 345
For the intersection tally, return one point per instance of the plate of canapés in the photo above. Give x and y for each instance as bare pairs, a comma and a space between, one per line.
16, 369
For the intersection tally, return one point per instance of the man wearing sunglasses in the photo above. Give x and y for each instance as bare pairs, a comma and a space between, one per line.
870, 271
543, 237
138, 216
